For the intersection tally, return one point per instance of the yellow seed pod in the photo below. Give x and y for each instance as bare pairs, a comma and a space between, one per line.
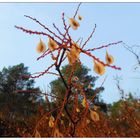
99, 68
88, 121
69, 123
62, 122
41, 47
95, 107
52, 45
109, 58
52, 118
73, 23
77, 110
70, 58
89, 86
84, 102
51, 122
57, 133
37, 134
75, 51
80, 17
75, 78
63, 114
54, 57
94, 116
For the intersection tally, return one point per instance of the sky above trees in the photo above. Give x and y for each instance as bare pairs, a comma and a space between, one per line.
115, 22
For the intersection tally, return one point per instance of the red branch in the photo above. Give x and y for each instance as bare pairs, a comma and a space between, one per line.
95, 58
47, 73
44, 54
37, 21
89, 37
42, 73
98, 60
58, 30
36, 32
27, 91
65, 26
105, 46
77, 10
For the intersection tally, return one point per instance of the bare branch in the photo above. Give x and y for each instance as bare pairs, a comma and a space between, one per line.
37, 21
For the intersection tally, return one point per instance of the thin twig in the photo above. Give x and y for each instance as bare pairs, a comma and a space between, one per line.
58, 30
104, 46
89, 37
37, 21
36, 33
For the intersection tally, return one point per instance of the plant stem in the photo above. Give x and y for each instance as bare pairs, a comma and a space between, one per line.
68, 88
62, 78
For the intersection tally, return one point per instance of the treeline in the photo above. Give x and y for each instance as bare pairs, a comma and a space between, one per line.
22, 105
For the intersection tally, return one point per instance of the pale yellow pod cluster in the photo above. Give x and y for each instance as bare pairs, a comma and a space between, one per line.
51, 121
73, 23
109, 58
41, 47
52, 45
74, 53
99, 68
94, 116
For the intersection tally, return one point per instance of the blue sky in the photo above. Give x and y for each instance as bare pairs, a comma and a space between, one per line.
115, 22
